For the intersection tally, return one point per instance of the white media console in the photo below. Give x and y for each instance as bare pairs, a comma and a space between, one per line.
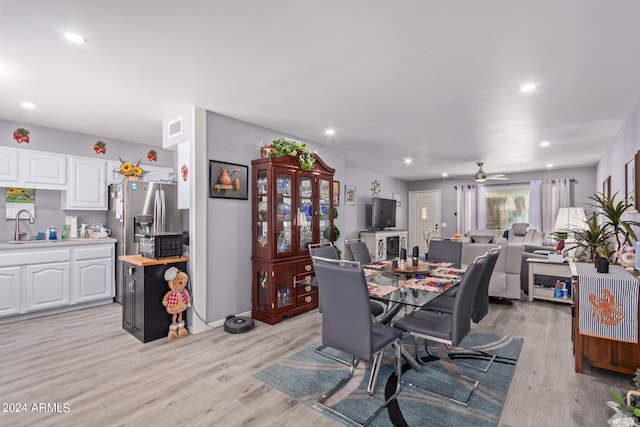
384, 244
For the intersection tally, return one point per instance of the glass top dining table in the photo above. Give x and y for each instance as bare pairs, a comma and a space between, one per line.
411, 286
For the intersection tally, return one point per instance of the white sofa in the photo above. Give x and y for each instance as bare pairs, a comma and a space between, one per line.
505, 280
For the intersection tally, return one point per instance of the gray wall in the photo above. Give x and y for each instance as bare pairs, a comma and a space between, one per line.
625, 144
228, 231
354, 215
583, 187
49, 202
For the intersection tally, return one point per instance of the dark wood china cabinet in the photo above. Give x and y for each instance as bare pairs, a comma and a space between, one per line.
291, 209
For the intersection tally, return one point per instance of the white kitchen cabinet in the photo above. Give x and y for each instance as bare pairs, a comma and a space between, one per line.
39, 169
87, 188
8, 165
32, 169
94, 279
10, 301
37, 279
93, 273
47, 286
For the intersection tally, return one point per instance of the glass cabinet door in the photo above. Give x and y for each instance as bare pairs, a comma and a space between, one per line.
262, 207
284, 281
284, 216
324, 210
305, 211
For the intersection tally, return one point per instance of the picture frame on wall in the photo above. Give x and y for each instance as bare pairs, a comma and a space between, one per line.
606, 187
336, 193
228, 180
631, 182
349, 195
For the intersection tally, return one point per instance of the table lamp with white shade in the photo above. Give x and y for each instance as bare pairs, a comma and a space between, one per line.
568, 221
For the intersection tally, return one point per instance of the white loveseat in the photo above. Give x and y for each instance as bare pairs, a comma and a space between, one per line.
505, 280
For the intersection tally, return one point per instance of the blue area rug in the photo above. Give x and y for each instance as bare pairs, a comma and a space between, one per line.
305, 375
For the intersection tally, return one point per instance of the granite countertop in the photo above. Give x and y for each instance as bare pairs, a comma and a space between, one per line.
51, 243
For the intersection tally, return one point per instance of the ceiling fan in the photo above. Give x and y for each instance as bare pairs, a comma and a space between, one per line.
481, 175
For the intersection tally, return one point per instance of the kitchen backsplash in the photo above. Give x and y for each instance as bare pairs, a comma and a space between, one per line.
48, 212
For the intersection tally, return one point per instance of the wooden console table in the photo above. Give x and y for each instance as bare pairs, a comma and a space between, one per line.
603, 353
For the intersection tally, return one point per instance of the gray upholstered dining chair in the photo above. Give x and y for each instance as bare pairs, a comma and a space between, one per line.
449, 329
347, 325
323, 250
357, 251
327, 250
445, 250
480, 307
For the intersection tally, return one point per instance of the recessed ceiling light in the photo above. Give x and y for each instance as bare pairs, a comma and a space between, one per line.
75, 38
528, 87
444, 174
408, 161
549, 165
330, 132
29, 105
544, 144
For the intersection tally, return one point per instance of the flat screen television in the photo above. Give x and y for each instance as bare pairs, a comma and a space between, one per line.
383, 213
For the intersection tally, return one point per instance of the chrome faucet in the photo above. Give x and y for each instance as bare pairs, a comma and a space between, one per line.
31, 221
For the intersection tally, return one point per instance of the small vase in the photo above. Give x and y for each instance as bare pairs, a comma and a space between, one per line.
132, 178
602, 265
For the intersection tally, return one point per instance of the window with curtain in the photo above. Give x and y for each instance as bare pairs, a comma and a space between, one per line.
506, 205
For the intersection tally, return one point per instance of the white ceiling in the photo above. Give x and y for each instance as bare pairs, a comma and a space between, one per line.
437, 81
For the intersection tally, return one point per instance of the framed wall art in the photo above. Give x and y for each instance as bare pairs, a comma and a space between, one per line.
606, 187
336, 193
228, 180
631, 182
349, 195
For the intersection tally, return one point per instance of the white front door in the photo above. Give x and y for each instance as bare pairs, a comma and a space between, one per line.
424, 215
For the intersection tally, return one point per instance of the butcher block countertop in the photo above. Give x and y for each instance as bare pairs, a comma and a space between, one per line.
143, 261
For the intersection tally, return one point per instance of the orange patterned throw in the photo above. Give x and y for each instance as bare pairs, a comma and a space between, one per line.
605, 309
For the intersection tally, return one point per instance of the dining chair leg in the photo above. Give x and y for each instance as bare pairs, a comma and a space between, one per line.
463, 378
332, 357
375, 371
471, 353
398, 369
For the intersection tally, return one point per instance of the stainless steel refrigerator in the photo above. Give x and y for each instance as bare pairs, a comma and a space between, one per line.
136, 208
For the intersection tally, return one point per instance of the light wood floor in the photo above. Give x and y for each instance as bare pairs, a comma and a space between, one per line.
107, 377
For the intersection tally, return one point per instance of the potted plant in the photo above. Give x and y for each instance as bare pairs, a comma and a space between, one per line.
627, 406
612, 212
606, 231
284, 147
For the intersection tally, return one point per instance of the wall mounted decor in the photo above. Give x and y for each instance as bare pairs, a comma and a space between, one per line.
349, 195
630, 182
21, 135
228, 180
375, 188
336, 193
152, 155
100, 147
606, 187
